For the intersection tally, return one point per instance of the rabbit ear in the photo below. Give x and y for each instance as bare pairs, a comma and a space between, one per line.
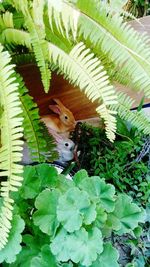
58, 138
55, 108
58, 102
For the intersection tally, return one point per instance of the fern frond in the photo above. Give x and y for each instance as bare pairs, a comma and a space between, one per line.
82, 69
36, 29
23, 59
136, 118
56, 38
10, 35
17, 37
20, 5
6, 20
125, 47
11, 146
119, 7
41, 145
64, 17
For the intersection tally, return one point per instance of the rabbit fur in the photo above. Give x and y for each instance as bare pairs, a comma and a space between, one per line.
62, 121
59, 125
64, 146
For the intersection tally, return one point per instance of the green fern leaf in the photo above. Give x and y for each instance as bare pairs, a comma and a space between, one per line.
10, 35
11, 146
14, 36
64, 17
36, 29
6, 20
20, 5
23, 59
37, 32
41, 144
125, 47
136, 118
85, 71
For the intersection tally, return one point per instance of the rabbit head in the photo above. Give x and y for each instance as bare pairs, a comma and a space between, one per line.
64, 113
65, 147
66, 150
66, 144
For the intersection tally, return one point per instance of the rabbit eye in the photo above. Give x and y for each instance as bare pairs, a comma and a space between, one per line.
66, 144
66, 118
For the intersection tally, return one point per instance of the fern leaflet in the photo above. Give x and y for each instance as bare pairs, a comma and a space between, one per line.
64, 17
41, 144
137, 118
125, 47
85, 71
11, 146
36, 29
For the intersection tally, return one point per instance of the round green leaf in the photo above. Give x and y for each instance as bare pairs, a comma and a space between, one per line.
60, 246
31, 183
45, 216
13, 247
85, 246
109, 257
74, 207
101, 217
80, 247
32, 250
126, 215
99, 191
44, 259
47, 174
79, 176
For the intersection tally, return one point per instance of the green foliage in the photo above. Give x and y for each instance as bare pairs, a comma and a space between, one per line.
64, 246
140, 250
36, 28
99, 192
115, 162
13, 247
17, 112
108, 255
53, 32
11, 35
41, 144
124, 217
45, 217
74, 209
66, 222
121, 164
137, 118
31, 184
92, 78
129, 48
71, 37
10, 150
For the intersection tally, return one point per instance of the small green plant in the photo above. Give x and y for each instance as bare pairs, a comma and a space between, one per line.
116, 162
67, 222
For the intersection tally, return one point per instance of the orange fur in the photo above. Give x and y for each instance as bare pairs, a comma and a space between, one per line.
62, 121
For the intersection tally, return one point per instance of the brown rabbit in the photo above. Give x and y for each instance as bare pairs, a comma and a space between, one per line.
62, 121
